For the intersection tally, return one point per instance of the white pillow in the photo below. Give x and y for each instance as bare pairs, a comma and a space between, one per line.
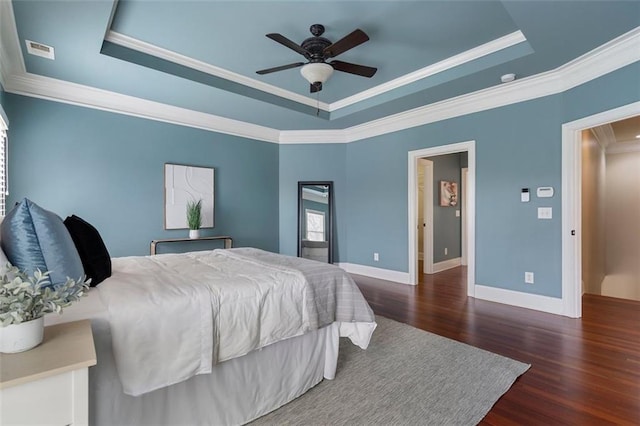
3, 262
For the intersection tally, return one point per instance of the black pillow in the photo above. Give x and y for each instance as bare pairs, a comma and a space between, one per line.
93, 253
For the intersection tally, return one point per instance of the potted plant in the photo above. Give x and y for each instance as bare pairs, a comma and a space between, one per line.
194, 218
25, 299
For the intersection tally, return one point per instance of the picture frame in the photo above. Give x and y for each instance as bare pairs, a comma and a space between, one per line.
185, 183
448, 193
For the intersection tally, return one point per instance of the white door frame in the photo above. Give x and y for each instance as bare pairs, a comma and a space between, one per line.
572, 202
463, 196
412, 191
427, 211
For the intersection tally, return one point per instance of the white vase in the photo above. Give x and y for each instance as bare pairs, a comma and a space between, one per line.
194, 233
21, 337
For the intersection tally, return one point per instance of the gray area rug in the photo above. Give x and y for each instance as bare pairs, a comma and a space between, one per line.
407, 376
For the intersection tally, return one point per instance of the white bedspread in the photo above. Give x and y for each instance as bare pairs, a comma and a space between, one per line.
174, 316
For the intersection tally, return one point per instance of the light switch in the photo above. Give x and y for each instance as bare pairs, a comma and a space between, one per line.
545, 213
457, 213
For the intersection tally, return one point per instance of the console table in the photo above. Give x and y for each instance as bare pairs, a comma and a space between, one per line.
49, 384
228, 241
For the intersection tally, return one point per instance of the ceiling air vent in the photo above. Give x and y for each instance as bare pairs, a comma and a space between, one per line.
40, 49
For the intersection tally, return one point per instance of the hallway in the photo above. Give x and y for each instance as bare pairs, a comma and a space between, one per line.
610, 209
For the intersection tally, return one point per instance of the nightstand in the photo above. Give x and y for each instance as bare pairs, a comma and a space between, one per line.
49, 384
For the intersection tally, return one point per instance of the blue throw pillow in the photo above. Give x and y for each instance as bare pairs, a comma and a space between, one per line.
35, 238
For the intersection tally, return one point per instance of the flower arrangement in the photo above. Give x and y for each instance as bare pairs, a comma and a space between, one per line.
26, 297
194, 214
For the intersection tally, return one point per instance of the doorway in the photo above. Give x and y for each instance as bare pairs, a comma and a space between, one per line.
572, 202
441, 204
610, 209
412, 190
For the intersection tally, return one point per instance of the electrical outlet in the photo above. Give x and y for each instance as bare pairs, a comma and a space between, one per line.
446, 251
376, 257
528, 277
545, 213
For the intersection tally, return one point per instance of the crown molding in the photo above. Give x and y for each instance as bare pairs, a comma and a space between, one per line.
613, 55
76, 94
313, 136
604, 59
169, 55
3, 74
11, 60
509, 93
604, 135
444, 65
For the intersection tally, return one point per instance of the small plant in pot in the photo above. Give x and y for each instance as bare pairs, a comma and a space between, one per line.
194, 218
25, 299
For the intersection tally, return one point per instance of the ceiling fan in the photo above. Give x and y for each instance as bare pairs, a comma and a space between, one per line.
317, 50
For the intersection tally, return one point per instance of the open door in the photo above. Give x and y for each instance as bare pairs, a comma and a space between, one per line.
427, 216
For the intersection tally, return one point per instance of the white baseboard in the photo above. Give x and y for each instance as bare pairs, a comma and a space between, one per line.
447, 264
536, 302
370, 271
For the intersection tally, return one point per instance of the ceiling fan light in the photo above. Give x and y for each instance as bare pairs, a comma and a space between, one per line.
316, 72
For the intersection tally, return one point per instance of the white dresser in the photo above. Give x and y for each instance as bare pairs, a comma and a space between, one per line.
49, 385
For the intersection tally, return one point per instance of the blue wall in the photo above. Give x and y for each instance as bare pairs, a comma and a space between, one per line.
516, 146
610, 91
325, 162
108, 169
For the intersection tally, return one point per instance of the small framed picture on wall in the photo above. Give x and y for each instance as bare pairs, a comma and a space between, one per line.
448, 193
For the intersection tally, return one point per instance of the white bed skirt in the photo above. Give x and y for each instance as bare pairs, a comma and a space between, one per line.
236, 392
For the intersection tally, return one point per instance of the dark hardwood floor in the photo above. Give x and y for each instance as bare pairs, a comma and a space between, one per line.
583, 371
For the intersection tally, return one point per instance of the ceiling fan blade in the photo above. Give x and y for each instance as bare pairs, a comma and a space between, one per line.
288, 43
347, 42
356, 69
280, 68
313, 88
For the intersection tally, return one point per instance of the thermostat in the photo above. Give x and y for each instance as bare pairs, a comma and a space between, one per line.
544, 192
524, 195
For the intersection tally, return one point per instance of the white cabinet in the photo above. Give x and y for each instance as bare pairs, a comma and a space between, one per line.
48, 385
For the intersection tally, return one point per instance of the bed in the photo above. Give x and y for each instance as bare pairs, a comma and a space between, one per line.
215, 337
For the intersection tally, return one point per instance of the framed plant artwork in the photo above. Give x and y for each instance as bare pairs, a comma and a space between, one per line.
448, 193
184, 184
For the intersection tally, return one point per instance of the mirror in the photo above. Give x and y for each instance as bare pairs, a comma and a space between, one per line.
315, 228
